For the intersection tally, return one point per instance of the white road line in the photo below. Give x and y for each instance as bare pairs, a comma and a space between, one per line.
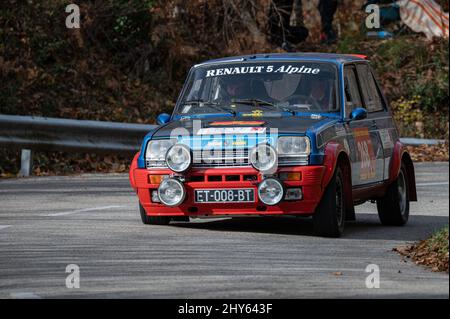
432, 184
24, 295
4, 226
83, 210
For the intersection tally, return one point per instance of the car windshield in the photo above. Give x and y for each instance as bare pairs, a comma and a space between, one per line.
268, 87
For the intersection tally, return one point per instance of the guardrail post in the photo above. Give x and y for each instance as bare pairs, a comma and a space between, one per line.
26, 163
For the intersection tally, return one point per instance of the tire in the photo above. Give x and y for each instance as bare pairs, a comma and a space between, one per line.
153, 220
393, 208
329, 217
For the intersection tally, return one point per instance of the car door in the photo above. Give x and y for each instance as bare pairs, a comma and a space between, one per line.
366, 152
378, 111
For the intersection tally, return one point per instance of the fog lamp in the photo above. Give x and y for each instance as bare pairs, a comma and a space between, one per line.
270, 191
171, 192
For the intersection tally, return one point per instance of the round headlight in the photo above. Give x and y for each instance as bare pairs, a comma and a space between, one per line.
270, 191
178, 158
264, 158
171, 192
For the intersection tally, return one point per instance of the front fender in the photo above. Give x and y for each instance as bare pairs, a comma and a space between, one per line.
133, 166
332, 152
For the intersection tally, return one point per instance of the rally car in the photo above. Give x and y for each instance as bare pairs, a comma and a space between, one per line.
303, 134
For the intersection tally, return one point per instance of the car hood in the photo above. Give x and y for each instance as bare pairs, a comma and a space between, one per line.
284, 125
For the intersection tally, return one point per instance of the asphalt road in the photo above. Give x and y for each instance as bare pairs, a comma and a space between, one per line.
92, 221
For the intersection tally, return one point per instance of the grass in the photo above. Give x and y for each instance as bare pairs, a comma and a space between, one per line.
439, 242
431, 252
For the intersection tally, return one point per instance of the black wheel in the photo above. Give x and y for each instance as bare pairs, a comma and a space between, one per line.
153, 220
329, 218
393, 208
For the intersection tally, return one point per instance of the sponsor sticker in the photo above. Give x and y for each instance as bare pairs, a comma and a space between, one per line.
386, 139
366, 153
213, 144
231, 130
254, 113
239, 143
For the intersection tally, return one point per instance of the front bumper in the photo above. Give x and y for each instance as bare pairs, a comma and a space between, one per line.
226, 178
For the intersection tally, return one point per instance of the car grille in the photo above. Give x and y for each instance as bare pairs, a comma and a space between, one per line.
221, 158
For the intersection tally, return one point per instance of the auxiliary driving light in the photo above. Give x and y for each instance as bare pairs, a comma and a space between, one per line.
171, 192
179, 158
294, 194
264, 158
155, 196
270, 191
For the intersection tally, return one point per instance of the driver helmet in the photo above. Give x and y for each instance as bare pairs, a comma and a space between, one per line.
234, 86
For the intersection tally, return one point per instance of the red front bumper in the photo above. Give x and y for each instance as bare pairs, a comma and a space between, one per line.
226, 178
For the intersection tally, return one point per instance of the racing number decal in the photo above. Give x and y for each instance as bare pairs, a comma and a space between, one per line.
366, 153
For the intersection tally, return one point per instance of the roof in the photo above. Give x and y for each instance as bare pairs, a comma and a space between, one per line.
309, 56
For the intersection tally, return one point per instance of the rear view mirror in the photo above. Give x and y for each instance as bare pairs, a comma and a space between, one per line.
358, 114
162, 118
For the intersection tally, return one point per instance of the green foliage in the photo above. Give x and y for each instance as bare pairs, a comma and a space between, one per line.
127, 26
433, 87
407, 114
414, 76
439, 241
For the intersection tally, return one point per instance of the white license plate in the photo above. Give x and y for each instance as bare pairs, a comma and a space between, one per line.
236, 195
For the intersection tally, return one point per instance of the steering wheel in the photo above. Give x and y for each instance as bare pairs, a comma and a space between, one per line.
298, 98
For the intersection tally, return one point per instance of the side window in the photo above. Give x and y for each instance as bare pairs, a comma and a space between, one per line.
372, 98
352, 95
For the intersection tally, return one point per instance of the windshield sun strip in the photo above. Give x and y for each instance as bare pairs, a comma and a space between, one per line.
244, 61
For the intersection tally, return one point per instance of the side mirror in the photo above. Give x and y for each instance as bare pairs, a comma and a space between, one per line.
358, 114
162, 118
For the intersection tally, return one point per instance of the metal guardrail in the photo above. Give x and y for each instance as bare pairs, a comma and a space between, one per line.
53, 134
420, 141
31, 133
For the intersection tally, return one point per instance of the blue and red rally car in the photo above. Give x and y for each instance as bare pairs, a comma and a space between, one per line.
276, 134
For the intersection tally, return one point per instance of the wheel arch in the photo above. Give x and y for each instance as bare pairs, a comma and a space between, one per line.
336, 156
401, 156
410, 175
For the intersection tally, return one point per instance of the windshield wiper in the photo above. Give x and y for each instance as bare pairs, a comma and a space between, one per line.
200, 101
257, 102
211, 104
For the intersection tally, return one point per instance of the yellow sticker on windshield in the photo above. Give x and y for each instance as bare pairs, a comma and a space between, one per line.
229, 123
255, 113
